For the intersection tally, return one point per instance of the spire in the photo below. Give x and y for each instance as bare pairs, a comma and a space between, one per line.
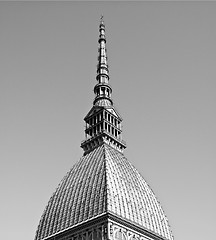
102, 89
103, 123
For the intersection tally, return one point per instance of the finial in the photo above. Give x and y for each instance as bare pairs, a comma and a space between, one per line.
101, 19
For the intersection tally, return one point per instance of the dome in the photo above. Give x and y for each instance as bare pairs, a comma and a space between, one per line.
103, 181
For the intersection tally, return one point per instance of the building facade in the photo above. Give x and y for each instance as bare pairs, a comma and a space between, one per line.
103, 196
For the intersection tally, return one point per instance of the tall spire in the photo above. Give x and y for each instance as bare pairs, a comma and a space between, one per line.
103, 122
102, 89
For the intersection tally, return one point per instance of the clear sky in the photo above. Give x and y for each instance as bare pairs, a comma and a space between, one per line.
162, 58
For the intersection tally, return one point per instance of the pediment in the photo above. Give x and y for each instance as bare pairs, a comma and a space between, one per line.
114, 112
93, 111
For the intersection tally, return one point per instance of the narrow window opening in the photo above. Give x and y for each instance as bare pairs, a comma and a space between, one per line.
115, 122
103, 91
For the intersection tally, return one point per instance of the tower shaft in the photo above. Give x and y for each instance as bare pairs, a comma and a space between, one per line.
102, 89
103, 122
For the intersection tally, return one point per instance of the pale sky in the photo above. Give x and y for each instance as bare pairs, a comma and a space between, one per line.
162, 58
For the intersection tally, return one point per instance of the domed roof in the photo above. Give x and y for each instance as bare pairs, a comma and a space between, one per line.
103, 181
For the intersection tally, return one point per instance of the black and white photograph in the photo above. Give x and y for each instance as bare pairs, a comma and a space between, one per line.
108, 120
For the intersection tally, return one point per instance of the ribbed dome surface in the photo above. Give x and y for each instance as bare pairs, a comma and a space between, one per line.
103, 181
103, 103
